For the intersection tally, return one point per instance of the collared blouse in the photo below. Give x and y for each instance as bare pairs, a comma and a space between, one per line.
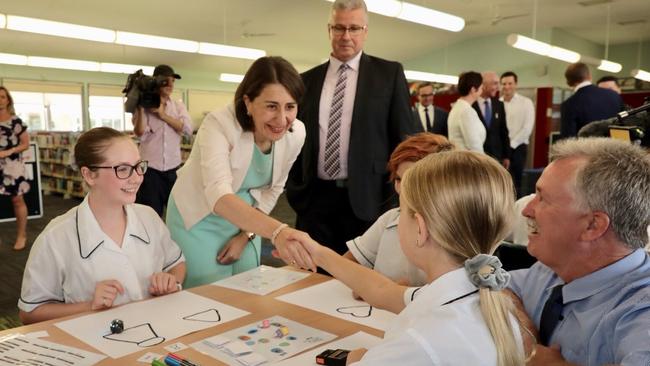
73, 254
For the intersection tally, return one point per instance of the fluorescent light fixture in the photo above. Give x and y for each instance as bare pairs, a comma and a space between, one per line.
563, 54
230, 51
165, 43
641, 75
62, 63
11, 59
124, 68
231, 78
3, 20
541, 48
610, 66
427, 76
416, 14
51, 28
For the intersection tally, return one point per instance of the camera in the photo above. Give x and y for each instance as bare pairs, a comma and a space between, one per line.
143, 91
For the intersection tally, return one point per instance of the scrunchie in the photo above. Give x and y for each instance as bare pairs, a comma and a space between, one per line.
485, 271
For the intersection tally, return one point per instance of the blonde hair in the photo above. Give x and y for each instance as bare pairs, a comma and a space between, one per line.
467, 202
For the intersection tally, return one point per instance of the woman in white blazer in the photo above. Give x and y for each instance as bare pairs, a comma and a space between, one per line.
235, 172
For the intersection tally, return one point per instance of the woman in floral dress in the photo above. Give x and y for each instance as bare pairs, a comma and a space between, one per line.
13, 141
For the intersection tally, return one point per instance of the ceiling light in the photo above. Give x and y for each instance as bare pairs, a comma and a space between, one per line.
149, 41
610, 66
416, 14
124, 68
11, 59
641, 75
230, 51
231, 78
427, 76
51, 28
3, 20
541, 48
62, 63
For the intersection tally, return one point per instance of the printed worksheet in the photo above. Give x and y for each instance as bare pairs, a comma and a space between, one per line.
149, 323
263, 342
334, 298
20, 350
262, 280
354, 341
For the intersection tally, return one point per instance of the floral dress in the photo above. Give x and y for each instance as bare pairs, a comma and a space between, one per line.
12, 167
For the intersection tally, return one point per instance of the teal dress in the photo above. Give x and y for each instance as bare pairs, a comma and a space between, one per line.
203, 241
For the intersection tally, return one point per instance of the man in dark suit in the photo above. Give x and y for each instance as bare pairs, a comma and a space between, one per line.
356, 111
493, 115
428, 117
588, 103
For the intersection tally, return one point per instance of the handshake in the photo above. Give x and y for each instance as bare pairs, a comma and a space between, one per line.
297, 248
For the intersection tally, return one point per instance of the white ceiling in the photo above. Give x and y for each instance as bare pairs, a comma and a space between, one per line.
296, 29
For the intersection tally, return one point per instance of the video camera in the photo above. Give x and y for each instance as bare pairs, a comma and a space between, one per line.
632, 125
143, 91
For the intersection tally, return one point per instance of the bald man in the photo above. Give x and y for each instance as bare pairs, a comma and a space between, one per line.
493, 115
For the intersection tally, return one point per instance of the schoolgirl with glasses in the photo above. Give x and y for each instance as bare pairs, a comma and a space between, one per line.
108, 250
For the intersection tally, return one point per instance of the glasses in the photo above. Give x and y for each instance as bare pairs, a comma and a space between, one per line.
340, 30
125, 171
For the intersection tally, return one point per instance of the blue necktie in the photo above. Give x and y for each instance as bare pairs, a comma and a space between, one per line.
551, 315
488, 113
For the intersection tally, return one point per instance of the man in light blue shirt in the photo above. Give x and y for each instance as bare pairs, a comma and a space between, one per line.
587, 227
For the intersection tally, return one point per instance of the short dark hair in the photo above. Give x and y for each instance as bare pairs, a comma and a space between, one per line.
607, 78
264, 71
424, 84
509, 73
577, 73
91, 145
469, 80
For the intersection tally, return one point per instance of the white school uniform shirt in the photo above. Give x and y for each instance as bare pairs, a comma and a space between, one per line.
465, 128
521, 119
378, 248
73, 254
443, 325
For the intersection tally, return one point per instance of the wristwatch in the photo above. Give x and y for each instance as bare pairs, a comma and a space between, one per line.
251, 236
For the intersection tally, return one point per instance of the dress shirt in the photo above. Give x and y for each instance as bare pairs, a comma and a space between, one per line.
219, 161
327, 94
521, 119
481, 104
606, 313
378, 248
581, 85
466, 130
428, 332
160, 144
423, 117
73, 254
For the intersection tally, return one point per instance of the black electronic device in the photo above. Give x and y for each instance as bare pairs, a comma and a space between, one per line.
332, 357
117, 326
143, 91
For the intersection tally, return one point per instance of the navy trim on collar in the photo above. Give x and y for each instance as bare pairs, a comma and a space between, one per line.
76, 218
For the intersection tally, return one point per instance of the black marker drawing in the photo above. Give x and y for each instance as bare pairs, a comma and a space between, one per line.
142, 335
207, 316
358, 311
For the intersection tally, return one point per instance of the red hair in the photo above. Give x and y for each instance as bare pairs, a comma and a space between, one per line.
415, 148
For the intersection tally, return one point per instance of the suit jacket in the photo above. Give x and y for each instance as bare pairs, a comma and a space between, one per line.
497, 142
590, 103
439, 121
381, 119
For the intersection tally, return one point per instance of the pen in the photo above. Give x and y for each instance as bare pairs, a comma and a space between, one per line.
170, 361
157, 363
183, 361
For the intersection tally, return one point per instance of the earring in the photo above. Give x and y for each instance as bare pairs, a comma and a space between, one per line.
417, 243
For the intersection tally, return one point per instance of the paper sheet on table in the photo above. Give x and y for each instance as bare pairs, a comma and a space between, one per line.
21, 350
262, 342
352, 342
149, 323
261, 280
334, 298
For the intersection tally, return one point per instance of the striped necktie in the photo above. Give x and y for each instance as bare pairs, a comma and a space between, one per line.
332, 144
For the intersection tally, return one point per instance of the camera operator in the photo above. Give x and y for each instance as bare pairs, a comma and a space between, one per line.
160, 131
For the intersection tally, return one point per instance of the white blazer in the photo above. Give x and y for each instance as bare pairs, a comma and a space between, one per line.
218, 163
